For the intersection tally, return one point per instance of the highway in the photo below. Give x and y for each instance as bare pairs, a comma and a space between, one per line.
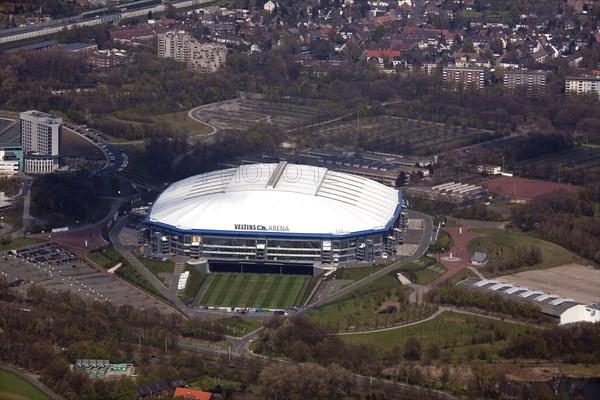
52, 27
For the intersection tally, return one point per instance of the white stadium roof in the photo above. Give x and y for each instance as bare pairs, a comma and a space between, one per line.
283, 198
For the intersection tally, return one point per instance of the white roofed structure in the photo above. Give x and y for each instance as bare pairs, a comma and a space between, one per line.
276, 213
283, 198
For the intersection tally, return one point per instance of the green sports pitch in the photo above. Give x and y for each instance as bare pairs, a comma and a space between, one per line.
252, 290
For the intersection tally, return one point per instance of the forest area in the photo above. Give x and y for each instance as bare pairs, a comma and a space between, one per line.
100, 330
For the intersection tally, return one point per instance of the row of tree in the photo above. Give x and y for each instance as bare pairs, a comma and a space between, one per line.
571, 343
460, 297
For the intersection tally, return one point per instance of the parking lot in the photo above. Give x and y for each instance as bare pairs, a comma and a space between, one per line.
51, 266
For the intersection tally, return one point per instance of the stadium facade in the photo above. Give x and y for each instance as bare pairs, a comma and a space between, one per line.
276, 213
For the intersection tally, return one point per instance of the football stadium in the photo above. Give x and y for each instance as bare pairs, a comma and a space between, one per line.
276, 214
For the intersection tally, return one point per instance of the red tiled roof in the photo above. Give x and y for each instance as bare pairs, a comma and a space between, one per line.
192, 394
384, 18
383, 53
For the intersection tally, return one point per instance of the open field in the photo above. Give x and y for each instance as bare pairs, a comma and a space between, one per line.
579, 282
526, 189
454, 333
359, 310
252, 290
499, 243
238, 326
178, 122
244, 113
13, 387
403, 136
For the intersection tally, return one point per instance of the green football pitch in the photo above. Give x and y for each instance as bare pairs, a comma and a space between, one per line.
252, 290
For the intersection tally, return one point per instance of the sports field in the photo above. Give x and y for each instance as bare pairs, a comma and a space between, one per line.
252, 290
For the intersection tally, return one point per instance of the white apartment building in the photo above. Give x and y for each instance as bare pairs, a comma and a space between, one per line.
40, 138
201, 57
584, 85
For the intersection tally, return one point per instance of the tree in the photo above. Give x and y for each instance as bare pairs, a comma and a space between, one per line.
379, 33
125, 389
171, 11
412, 349
401, 180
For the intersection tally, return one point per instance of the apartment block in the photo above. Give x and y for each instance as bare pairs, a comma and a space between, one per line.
463, 78
584, 85
529, 83
201, 57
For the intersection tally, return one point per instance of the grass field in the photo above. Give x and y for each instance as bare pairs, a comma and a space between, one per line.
177, 122
358, 310
13, 387
238, 327
18, 243
459, 334
501, 243
252, 290
158, 267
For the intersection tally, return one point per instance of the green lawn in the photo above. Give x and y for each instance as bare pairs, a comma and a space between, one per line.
252, 290
355, 274
443, 242
18, 243
105, 258
459, 334
237, 326
422, 274
157, 267
358, 310
193, 284
501, 243
13, 387
178, 122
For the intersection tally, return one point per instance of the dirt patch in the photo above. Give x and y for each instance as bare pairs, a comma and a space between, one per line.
389, 307
579, 282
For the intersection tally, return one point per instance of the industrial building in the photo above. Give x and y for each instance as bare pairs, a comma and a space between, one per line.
276, 213
564, 310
